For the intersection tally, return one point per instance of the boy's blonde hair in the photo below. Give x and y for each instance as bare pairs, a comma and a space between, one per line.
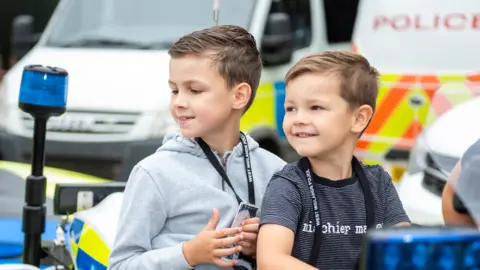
358, 80
233, 50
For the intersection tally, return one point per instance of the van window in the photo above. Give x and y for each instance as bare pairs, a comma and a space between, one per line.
301, 18
128, 23
340, 18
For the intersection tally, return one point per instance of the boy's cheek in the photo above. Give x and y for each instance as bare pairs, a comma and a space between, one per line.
287, 123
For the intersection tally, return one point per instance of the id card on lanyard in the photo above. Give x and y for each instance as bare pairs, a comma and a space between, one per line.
248, 167
369, 207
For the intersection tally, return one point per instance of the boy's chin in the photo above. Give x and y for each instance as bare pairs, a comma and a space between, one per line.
190, 133
306, 152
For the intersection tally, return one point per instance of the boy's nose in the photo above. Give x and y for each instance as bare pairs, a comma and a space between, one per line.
301, 118
180, 101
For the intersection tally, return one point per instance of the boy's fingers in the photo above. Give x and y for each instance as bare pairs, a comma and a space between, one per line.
245, 244
213, 222
222, 252
254, 220
253, 228
249, 236
224, 264
226, 232
228, 241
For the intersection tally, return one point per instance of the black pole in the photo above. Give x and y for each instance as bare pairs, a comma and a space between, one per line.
34, 210
38, 156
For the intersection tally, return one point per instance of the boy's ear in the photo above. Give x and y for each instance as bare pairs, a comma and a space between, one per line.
361, 118
241, 95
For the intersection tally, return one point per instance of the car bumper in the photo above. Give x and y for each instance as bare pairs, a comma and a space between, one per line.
110, 160
422, 206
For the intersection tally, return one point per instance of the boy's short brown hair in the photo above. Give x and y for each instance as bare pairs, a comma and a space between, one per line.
233, 50
358, 79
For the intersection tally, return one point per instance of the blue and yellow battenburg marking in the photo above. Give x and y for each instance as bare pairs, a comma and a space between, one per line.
267, 109
87, 248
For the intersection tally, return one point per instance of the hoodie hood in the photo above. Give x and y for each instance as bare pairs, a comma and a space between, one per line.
176, 142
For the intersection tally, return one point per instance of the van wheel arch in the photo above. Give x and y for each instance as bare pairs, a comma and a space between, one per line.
267, 139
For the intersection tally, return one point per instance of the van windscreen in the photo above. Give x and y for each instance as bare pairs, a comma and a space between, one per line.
147, 24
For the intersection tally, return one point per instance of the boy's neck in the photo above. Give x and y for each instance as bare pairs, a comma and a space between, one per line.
333, 167
225, 140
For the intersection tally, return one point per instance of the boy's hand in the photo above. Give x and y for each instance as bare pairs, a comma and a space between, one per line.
250, 232
208, 246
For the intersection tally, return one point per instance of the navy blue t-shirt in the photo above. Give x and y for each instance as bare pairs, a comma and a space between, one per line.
287, 202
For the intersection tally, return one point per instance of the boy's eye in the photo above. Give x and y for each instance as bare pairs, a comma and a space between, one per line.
289, 109
195, 91
315, 108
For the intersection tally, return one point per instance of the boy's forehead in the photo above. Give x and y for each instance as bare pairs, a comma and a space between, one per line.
313, 84
192, 68
190, 61
206, 57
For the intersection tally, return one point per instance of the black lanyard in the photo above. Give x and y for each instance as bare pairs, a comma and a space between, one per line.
248, 167
369, 207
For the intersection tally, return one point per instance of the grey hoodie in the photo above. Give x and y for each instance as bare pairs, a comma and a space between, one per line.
170, 196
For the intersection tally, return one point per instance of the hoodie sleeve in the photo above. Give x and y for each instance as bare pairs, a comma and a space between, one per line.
142, 218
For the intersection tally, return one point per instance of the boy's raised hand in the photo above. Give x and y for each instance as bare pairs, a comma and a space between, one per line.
250, 233
207, 247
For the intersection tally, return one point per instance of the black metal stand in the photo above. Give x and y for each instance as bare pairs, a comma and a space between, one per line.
34, 210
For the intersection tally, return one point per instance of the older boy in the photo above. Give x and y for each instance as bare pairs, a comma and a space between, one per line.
315, 210
166, 220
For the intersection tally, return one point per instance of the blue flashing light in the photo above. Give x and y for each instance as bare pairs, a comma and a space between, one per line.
422, 248
44, 86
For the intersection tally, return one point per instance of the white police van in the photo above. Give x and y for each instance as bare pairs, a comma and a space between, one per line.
116, 56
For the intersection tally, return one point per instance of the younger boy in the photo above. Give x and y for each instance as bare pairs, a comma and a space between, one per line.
166, 220
315, 210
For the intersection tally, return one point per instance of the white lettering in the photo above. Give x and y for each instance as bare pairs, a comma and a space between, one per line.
330, 228
338, 228
360, 229
308, 227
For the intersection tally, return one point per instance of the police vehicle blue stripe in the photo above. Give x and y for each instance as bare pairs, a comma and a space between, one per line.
11, 236
76, 230
279, 106
86, 262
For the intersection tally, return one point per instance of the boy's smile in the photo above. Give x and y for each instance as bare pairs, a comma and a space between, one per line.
183, 120
304, 134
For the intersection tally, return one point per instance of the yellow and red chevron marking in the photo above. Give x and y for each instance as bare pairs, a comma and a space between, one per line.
399, 119
450, 95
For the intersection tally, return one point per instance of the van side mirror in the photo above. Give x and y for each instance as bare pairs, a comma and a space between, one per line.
277, 42
23, 36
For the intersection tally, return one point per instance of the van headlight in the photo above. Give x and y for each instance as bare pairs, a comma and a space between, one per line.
418, 155
162, 123
3, 103
10, 117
